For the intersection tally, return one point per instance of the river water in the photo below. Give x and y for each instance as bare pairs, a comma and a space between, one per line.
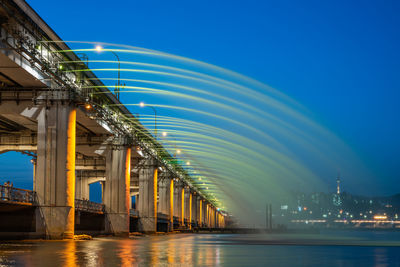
337, 248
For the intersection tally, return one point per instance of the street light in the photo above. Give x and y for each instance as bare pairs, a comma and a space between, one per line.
117, 87
141, 104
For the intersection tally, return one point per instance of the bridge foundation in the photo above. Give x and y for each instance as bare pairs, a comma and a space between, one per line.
55, 171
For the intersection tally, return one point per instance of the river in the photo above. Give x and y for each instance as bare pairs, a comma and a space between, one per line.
329, 248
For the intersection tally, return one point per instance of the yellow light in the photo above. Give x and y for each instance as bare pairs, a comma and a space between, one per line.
88, 106
164, 134
380, 217
187, 162
178, 151
99, 48
200, 179
141, 104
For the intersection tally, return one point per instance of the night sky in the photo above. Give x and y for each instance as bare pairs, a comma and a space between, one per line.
340, 59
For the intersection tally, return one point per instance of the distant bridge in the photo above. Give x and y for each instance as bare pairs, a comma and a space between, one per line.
79, 136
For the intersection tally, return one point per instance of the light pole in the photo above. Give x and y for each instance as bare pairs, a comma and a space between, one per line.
117, 87
142, 104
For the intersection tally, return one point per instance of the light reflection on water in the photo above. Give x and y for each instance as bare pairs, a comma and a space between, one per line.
209, 250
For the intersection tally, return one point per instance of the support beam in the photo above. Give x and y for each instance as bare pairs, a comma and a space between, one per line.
55, 172
117, 190
148, 197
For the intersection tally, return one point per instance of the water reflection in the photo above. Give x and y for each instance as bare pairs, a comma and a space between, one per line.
199, 250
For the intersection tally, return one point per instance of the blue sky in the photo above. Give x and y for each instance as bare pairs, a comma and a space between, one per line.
340, 59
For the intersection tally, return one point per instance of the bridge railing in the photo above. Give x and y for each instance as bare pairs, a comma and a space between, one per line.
17, 195
89, 206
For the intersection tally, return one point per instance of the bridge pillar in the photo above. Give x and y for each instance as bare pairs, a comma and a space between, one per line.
213, 212
163, 188
55, 170
207, 214
165, 197
188, 206
194, 208
198, 211
148, 197
117, 190
179, 202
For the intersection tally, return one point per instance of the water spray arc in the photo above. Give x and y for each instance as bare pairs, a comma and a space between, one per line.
240, 136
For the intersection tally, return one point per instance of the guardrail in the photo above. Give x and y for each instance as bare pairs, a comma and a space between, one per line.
17, 195
89, 206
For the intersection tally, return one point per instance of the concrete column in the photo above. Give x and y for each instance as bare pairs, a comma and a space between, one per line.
176, 197
55, 171
181, 200
164, 198
201, 213
194, 208
148, 197
187, 205
178, 202
208, 215
213, 216
117, 190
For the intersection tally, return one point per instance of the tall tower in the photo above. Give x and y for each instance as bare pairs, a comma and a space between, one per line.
338, 184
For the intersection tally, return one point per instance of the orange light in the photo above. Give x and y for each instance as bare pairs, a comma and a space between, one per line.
70, 175
155, 177
171, 201
380, 217
88, 106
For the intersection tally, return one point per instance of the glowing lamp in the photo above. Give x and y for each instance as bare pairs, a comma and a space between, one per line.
380, 217
88, 106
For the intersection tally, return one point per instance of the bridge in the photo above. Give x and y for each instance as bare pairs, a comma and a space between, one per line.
79, 133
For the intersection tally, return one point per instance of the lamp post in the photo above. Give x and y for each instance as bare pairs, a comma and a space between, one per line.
142, 104
117, 87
